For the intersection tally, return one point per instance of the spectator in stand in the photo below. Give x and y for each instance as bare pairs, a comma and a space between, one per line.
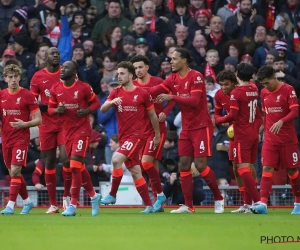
259, 57
181, 16
282, 48
89, 48
134, 9
213, 65
230, 63
181, 34
198, 49
292, 8
70, 10
284, 27
165, 68
112, 40
244, 22
161, 10
271, 55
7, 55
196, 5
141, 48
127, 48
41, 9
211, 86
79, 17
247, 59
92, 16
140, 29
228, 10
268, 9
169, 39
7, 8
234, 48
39, 62
52, 28
216, 38
109, 63
202, 18
114, 17
83, 4
155, 24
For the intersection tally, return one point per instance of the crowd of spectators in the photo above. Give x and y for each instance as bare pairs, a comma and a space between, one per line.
98, 34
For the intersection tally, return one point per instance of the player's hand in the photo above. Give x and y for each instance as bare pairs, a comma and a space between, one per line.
19, 124
156, 141
38, 186
116, 101
173, 177
83, 112
163, 97
162, 117
60, 109
276, 127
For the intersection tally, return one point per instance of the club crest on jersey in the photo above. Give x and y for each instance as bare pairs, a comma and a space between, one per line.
293, 95
18, 100
232, 97
135, 98
47, 93
76, 94
185, 85
278, 98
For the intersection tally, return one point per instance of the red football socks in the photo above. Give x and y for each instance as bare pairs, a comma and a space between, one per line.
209, 176
15, 184
265, 187
67, 177
249, 182
142, 188
117, 175
50, 179
154, 176
86, 182
76, 181
295, 183
23, 190
187, 187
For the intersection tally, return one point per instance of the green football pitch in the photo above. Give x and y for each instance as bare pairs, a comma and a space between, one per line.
117, 228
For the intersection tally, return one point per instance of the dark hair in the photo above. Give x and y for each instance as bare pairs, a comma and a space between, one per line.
111, 56
115, 138
52, 14
127, 65
185, 54
245, 72
76, 65
209, 79
226, 75
172, 136
271, 33
114, 1
140, 58
265, 72
238, 44
106, 38
15, 62
75, 27
181, 3
44, 45
278, 59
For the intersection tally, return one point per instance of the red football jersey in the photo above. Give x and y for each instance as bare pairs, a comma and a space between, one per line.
74, 97
192, 118
152, 82
131, 112
222, 101
244, 99
276, 105
41, 84
19, 105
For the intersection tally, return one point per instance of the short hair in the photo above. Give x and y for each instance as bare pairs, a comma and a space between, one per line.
172, 136
75, 65
52, 14
127, 65
278, 59
271, 33
144, 3
212, 51
111, 56
245, 72
44, 45
12, 69
265, 72
15, 62
75, 27
115, 138
185, 54
226, 75
140, 58
209, 79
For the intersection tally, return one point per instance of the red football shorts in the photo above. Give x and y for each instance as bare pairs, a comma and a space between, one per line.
195, 143
149, 148
280, 156
77, 146
132, 147
230, 151
51, 140
245, 152
15, 155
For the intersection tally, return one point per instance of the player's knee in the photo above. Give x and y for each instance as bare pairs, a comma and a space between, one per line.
291, 171
267, 169
15, 171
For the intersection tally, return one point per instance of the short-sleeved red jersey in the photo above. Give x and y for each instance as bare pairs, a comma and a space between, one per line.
192, 118
41, 84
244, 99
74, 97
222, 101
276, 105
152, 82
19, 105
131, 113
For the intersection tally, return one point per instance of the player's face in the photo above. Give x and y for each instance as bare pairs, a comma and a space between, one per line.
12, 81
53, 56
177, 62
227, 86
141, 69
270, 84
123, 76
67, 70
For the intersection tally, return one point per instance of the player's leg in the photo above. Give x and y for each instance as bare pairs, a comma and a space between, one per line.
67, 175
290, 157
117, 175
140, 184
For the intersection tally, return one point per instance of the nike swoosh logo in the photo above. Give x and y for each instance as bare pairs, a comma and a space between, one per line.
3, 101
59, 94
45, 81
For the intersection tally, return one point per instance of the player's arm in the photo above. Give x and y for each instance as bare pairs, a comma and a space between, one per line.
163, 115
232, 116
163, 88
94, 104
111, 101
155, 125
218, 107
258, 122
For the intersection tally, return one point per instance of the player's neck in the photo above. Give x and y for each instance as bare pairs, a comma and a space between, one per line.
14, 90
129, 86
144, 80
69, 82
243, 83
53, 69
183, 72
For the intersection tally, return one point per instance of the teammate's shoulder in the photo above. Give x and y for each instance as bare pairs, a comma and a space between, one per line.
286, 86
156, 79
40, 73
218, 93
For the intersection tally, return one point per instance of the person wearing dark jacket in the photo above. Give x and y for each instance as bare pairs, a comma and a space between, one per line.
7, 9
42, 9
79, 17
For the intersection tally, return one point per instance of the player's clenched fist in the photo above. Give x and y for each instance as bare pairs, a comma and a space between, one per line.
116, 101
163, 97
156, 141
83, 112
60, 109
